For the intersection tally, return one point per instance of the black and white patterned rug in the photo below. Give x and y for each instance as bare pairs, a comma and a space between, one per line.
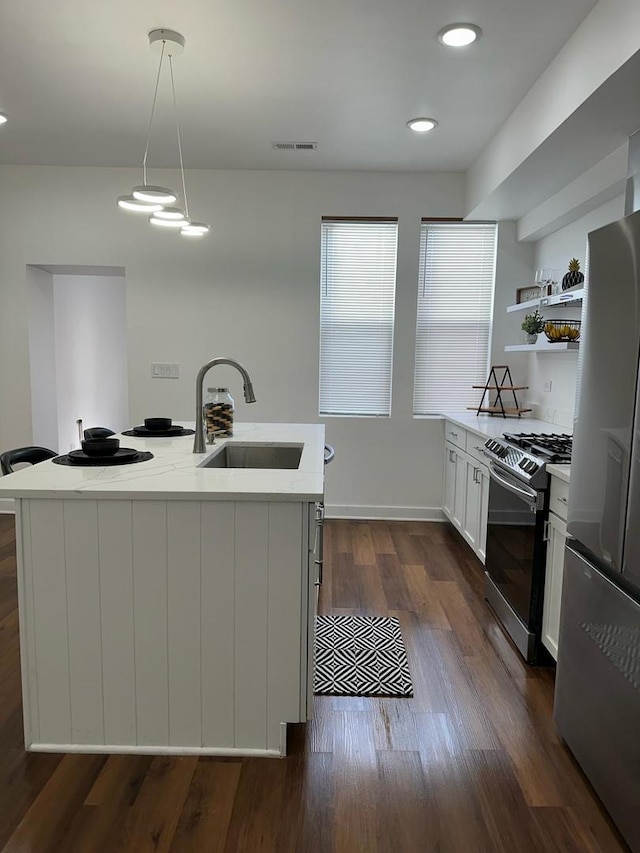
360, 656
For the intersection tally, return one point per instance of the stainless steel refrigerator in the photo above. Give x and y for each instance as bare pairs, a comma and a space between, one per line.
597, 697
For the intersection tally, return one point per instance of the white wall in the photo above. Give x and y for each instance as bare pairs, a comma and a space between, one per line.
556, 251
513, 270
249, 290
91, 355
42, 358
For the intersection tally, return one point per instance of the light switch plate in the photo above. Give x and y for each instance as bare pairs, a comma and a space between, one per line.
162, 370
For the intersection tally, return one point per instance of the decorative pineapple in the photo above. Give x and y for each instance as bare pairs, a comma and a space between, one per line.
574, 277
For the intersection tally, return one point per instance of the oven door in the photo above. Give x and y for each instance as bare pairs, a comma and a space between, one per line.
515, 561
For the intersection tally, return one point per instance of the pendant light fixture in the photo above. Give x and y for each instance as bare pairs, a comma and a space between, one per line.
147, 198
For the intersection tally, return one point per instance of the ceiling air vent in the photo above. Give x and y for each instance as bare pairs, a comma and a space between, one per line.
294, 146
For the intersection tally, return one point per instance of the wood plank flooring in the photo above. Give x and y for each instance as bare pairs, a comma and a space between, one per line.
470, 764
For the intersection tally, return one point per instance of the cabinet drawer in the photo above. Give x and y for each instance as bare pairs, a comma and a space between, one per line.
559, 496
455, 434
475, 443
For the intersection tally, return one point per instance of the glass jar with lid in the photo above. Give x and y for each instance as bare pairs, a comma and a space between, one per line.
219, 409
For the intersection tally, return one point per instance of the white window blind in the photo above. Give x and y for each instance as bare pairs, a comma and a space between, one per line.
455, 300
357, 298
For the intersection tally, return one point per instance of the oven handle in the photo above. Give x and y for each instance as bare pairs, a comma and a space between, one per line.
522, 491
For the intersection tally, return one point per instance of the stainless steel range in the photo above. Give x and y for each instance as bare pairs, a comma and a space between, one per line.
517, 532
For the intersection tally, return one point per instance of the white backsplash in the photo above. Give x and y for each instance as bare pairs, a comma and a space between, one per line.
552, 387
561, 417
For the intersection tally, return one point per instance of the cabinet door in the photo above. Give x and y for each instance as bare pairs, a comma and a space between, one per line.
557, 537
476, 507
471, 521
460, 492
483, 477
449, 489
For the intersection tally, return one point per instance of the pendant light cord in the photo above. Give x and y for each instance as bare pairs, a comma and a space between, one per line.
175, 112
153, 109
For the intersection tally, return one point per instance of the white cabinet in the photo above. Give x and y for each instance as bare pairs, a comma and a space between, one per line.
449, 489
166, 626
476, 507
460, 495
466, 494
556, 540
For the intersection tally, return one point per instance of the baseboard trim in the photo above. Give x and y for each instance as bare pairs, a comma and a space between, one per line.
7, 506
119, 749
385, 513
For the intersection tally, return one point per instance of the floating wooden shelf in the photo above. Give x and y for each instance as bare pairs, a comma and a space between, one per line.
500, 388
501, 410
499, 385
567, 297
544, 346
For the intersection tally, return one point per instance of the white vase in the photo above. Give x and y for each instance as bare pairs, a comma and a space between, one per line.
531, 337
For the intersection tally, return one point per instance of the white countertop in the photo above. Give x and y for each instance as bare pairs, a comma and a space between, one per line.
494, 427
174, 472
562, 472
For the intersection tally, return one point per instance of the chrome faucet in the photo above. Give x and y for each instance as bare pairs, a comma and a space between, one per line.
249, 396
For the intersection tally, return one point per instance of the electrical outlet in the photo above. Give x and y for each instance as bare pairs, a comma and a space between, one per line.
161, 370
547, 386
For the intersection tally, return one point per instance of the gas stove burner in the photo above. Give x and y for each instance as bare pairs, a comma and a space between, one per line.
552, 447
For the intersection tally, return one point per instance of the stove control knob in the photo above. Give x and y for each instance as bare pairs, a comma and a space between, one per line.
501, 450
528, 465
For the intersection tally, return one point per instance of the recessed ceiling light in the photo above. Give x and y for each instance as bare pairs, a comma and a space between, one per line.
459, 35
422, 125
3, 118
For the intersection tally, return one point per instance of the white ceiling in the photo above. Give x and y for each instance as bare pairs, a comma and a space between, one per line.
77, 77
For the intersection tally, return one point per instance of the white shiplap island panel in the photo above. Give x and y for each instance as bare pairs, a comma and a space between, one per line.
160, 625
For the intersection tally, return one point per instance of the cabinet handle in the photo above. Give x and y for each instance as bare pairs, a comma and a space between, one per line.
564, 500
452, 456
476, 471
545, 532
451, 432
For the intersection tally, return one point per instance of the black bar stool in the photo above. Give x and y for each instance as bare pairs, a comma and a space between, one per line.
31, 455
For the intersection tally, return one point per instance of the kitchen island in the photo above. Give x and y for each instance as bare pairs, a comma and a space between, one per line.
167, 607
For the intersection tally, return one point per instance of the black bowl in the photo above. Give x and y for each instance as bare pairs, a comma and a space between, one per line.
100, 446
157, 424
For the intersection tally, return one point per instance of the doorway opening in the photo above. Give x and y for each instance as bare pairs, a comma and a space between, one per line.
77, 351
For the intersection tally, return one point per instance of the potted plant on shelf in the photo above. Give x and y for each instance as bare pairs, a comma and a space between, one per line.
532, 325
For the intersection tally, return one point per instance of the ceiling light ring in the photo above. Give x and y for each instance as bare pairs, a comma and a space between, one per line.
195, 229
136, 205
167, 223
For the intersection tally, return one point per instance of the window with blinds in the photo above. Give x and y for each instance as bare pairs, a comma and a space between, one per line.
357, 299
455, 301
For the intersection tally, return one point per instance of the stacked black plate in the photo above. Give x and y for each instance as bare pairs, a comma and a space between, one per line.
158, 428
173, 430
123, 456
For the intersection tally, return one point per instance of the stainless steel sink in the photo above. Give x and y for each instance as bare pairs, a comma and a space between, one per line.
274, 456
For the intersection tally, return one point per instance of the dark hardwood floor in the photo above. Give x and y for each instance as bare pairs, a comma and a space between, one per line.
472, 763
